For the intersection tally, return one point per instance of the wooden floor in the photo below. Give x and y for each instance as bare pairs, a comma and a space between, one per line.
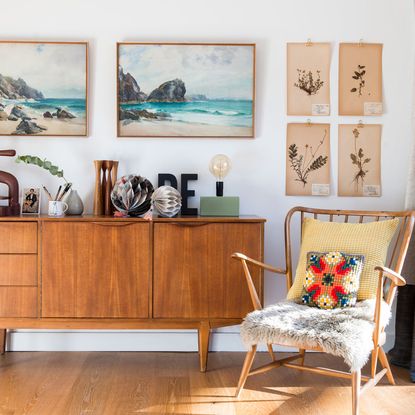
166, 383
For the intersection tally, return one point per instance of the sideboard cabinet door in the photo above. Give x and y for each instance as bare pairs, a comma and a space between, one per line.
95, 269
194, 274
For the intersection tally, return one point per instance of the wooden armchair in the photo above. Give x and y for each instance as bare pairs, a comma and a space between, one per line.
388, 280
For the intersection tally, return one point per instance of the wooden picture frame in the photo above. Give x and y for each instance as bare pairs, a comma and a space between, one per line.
154, 101
31, 201
40, 99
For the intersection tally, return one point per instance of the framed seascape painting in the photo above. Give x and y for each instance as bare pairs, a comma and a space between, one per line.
185, 90
43, 88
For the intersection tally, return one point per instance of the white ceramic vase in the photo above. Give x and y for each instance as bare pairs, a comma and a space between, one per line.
74, 202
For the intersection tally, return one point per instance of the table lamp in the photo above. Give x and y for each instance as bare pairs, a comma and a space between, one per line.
219, 166
219, 205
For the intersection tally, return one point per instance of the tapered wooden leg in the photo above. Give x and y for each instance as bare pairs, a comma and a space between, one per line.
204, 334
3, 338
356, 381
271, 352
385, 364
245, 370
374, 361
302, 352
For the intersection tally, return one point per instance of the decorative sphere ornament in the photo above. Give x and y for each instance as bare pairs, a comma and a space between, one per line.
131, 195
167, 201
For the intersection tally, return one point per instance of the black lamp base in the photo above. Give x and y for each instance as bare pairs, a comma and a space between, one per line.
219, 188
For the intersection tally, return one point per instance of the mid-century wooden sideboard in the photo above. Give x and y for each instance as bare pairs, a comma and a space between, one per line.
101, 272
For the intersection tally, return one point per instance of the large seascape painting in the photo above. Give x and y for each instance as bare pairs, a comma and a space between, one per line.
43, 88
186, 90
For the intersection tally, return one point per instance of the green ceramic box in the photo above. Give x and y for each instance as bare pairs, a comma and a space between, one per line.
219, 206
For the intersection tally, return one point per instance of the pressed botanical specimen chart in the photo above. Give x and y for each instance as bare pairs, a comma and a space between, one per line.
359, 160
308, 78
308, 160
360, 79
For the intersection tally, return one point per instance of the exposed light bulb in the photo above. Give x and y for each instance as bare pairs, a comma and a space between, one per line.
220, 166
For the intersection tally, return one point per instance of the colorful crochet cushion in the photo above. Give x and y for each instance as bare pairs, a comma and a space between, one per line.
331, 279
370, 239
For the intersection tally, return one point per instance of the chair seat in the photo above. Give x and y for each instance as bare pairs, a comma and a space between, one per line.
344, 332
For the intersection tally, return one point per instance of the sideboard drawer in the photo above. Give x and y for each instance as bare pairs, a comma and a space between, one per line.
18, 269
18, 301
18, 238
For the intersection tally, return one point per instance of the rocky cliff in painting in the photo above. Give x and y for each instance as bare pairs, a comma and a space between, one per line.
129, 90
17, 89
170, 91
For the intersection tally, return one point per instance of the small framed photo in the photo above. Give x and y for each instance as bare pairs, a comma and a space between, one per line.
31, 201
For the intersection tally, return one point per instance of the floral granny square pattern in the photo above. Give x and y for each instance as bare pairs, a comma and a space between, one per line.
332, 279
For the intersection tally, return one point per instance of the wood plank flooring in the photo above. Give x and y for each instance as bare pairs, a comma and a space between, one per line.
112, 383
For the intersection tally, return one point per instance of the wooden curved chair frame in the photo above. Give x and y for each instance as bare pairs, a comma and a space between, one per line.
389, 280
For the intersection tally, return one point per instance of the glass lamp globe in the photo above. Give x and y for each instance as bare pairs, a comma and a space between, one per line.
220, 166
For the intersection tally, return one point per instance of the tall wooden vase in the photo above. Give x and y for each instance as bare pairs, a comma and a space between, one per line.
98, 202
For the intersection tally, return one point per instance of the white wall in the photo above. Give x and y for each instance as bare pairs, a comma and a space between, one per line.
258, 172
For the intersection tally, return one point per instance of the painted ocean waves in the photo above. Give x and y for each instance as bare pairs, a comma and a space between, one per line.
236, 113
43, 88
187, 90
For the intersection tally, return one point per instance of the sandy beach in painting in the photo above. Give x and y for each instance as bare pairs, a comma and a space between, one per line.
76, 126
176, 129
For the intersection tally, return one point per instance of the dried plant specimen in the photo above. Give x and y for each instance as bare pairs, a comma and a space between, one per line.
358, 76
307, 83
359, 160
304, 164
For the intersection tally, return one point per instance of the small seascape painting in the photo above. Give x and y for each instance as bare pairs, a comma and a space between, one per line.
308, 78
31, 201
43, 88
185, 90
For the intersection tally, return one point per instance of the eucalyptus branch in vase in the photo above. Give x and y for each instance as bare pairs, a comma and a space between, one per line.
51, 168
307, 163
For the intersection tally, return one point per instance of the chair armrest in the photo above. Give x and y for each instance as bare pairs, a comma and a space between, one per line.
251, 287
392, 275
243, 257
396, 280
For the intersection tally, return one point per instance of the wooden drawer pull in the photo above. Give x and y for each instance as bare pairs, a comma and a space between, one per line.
189, 224
113, 224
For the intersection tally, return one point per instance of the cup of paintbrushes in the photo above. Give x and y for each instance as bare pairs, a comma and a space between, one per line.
56, 206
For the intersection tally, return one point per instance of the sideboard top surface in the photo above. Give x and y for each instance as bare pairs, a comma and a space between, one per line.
92, 218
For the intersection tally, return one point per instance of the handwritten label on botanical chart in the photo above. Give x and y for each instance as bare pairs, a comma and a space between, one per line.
371, 190
373, 108
320, 109
320, 189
